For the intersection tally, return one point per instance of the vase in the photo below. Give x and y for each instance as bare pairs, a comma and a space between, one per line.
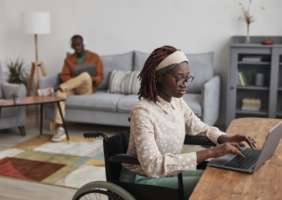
248, 34
16, 100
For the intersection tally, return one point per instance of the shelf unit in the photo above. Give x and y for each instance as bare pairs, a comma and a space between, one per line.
252, 63
270, 65
252, 112
251, 87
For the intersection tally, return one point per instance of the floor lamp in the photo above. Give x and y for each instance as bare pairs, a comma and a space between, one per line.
36, 23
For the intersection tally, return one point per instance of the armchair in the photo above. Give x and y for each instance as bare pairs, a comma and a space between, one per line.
12, 116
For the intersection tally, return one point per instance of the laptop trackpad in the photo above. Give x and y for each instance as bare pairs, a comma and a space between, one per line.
222, 160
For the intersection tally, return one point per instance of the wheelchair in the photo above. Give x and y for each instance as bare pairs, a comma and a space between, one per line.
115, 149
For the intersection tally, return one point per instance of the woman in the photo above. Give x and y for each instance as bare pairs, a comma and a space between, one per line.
159, 122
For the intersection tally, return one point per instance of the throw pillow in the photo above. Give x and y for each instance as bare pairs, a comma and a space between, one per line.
124, 82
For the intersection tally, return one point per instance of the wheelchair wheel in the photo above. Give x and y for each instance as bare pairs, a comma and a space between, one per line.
101, 190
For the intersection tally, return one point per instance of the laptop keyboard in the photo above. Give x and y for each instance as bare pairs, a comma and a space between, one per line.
241, 163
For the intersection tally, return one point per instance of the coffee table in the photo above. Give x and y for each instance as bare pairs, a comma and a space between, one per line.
37, 100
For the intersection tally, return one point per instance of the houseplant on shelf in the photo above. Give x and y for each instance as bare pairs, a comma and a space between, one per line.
247, 18
16, 72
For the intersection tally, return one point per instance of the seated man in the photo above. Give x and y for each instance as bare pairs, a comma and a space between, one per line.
82, 84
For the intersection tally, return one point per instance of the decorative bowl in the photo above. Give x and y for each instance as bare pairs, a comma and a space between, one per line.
267, 41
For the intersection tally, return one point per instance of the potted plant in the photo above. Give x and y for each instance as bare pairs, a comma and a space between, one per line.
16, 72
16, 98
247, 18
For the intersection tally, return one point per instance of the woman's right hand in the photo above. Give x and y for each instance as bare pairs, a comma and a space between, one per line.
220, 150
226, 148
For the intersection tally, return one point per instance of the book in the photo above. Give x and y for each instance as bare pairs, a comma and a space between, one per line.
251, 104
241, 79
244, 78
252, 58
239, 83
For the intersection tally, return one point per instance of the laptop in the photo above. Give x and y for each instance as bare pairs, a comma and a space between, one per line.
254, 157
88, 67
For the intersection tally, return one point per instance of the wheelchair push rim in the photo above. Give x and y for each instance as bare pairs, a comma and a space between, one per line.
109, 191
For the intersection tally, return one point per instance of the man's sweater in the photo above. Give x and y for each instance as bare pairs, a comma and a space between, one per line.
70, 62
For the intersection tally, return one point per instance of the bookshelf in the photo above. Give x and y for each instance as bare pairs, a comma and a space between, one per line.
252, 87
261, 112
268, 62
252, 63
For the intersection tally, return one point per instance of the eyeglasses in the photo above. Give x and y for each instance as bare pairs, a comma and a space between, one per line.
181, 81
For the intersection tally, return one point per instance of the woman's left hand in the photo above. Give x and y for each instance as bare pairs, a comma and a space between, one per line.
239, 139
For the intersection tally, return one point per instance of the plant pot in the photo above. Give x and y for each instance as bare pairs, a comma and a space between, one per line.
16, 100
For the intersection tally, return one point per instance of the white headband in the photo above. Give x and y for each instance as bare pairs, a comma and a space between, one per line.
175, 58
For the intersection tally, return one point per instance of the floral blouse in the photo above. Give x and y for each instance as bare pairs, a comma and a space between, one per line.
157, 133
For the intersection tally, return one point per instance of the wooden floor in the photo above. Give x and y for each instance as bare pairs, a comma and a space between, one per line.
12, 189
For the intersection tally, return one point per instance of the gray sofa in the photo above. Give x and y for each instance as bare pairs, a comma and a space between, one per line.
11, 116
203, 94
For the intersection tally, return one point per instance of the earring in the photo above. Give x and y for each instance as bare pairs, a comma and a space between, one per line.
156, 80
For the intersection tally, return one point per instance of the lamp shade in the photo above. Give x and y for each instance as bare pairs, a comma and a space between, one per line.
36, 22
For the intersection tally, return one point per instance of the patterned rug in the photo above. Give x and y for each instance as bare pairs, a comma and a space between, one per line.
62, 164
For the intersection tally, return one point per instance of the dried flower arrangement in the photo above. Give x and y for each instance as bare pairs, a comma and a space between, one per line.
247, 18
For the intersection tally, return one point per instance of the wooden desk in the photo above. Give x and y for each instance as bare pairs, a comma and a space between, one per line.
265, 183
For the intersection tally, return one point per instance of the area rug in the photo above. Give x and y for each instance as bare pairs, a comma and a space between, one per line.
61, 164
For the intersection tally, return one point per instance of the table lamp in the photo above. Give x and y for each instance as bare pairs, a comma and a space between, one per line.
36, 23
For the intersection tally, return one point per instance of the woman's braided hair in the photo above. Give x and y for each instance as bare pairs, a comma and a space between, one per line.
148, 87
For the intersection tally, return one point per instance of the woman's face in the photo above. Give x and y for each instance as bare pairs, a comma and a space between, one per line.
166, 85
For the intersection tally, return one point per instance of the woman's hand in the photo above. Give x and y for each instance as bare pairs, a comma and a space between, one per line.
226, 148
237, 138
220, 150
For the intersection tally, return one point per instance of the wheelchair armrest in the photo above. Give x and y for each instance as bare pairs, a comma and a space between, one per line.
125, 158
95, 134
198, 140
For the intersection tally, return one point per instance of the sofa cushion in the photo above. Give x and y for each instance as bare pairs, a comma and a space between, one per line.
126, 103
9, 111
139, 60
124, 82
99, 100
123, 62
201, 67
194, 101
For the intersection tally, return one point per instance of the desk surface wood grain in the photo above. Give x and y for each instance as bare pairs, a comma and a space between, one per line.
265, 183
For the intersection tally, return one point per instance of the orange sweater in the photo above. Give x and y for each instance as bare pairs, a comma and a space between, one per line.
70, 62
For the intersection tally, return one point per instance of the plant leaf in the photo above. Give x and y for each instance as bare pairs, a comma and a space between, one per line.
16, 71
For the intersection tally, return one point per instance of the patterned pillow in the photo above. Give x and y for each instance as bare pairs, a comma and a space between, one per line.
124, 82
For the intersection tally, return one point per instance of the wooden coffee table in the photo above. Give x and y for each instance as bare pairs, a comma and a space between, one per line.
37, 100
265, 183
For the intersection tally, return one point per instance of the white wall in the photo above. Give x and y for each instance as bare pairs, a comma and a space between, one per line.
118, 26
